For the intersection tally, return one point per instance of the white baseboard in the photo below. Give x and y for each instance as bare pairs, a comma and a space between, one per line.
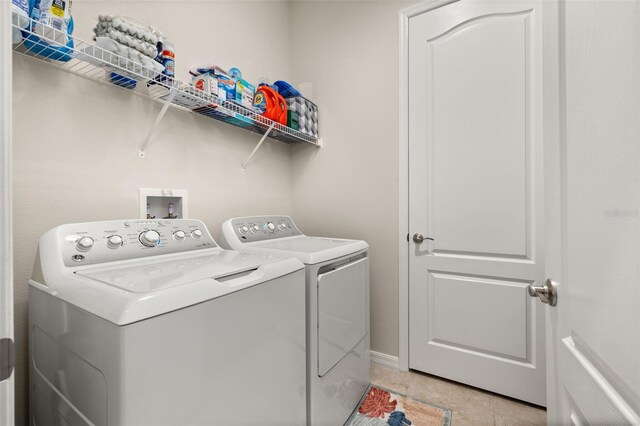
384, 359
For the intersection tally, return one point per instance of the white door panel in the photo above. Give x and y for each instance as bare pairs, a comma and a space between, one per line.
591, 398
479, 150
475, 174
468, 311
596, 326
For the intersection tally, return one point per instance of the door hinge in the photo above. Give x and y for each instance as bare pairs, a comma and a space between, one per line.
7, 358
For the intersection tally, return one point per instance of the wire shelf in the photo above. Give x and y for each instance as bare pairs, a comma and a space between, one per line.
88, 60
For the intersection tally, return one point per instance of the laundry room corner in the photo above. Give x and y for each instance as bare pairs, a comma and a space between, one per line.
76, 143
87, 168
348, 56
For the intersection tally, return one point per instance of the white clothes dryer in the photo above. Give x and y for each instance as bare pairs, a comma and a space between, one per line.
149, 322
337, 285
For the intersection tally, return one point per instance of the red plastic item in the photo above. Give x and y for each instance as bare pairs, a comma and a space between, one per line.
276, 106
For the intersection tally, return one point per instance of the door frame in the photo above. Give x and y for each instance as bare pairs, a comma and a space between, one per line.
6, 260
554, 117
403, 172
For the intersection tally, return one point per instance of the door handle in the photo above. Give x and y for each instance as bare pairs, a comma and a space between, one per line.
7, 358
418, 238
548, 293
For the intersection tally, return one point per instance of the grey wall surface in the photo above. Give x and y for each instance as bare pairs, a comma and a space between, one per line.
347, 52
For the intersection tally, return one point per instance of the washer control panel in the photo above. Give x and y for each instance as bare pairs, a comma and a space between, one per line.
261, 228
99, 242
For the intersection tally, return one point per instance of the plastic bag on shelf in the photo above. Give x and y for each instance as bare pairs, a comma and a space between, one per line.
51, 29
20, 11
285, 89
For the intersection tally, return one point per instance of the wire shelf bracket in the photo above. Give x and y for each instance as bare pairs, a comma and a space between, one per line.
167, 103
243, 166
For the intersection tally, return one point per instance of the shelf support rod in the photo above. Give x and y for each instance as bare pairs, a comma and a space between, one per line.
172, 94
264, 137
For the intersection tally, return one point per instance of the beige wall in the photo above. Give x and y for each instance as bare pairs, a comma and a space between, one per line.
75, 142
348, 52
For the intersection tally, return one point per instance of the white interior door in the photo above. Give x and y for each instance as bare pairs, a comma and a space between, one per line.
6, 263
594, 214
475, 187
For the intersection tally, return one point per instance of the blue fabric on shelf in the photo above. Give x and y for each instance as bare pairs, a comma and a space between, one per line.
41, 48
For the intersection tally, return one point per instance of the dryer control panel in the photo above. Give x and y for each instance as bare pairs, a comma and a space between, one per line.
261, 228
91, 243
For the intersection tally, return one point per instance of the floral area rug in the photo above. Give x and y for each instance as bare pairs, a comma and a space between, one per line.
382, 407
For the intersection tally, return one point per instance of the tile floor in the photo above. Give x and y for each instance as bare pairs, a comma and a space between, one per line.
470, 406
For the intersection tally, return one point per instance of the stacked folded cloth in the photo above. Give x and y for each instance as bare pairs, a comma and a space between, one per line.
128, 40
128, 34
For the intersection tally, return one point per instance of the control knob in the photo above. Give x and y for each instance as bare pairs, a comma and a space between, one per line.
196, 233
255, 228
244, 229
283, 225
270, 226
84, 243
179, 235
150, 238
114, 241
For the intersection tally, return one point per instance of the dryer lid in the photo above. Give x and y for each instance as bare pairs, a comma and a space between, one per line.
309, 250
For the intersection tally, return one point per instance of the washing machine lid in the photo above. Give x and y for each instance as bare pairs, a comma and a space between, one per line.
131, 291
153, 276
309, 250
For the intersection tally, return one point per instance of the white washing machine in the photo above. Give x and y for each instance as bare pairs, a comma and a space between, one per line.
337, 282
148, 322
